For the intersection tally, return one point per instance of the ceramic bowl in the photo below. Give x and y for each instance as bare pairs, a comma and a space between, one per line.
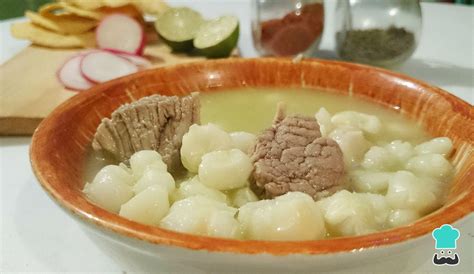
61, 141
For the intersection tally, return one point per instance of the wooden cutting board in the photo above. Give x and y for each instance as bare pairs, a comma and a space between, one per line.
29, 90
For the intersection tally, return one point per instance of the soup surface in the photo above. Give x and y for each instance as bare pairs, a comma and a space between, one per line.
393, 173
252, 110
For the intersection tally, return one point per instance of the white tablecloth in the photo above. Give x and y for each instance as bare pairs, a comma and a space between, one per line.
37, 236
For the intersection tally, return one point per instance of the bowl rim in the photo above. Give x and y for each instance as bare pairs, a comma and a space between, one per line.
156, 235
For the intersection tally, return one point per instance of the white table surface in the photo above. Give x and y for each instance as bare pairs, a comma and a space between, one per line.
37, 236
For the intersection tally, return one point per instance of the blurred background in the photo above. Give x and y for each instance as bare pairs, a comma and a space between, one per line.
16, 8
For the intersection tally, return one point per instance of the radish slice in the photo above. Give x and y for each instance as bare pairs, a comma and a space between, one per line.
121, 32
102, 66
69, 74
136, 59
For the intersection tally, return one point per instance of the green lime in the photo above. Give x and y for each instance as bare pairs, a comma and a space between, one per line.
218, 37
178, 27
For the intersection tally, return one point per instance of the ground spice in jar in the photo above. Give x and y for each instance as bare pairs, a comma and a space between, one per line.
375, 44
294, 33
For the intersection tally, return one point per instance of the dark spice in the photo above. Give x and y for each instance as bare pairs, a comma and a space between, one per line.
295, 32
375, 44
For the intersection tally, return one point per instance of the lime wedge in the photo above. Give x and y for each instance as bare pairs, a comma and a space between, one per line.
178, 27
217, 38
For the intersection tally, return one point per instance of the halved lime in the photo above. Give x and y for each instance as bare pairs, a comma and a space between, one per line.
178, 27
217, 38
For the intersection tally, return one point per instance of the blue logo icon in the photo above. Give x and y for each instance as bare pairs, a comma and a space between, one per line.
445, 238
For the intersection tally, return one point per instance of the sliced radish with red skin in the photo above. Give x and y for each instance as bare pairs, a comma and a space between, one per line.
102, 66
69, 74
121, 32
117, 51
136, 59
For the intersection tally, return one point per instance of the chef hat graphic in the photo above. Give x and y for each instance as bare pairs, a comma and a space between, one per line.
445, 237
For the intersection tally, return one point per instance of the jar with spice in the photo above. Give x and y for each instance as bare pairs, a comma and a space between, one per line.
383, 33
287, 28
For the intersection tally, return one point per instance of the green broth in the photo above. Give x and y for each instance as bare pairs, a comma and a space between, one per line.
252, 110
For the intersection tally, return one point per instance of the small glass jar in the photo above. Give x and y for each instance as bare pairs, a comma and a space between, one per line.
287, 27
382, 33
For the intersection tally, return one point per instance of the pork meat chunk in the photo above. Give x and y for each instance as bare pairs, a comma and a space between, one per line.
292, 156
151, 123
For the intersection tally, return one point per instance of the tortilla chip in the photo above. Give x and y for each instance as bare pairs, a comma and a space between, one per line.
67, 24
113, 3
86, 4
55, 9
91, 14
145, 6
50, 8
129, 10
152, 7
44, 37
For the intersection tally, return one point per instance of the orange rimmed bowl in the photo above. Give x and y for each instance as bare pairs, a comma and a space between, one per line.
60, 143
